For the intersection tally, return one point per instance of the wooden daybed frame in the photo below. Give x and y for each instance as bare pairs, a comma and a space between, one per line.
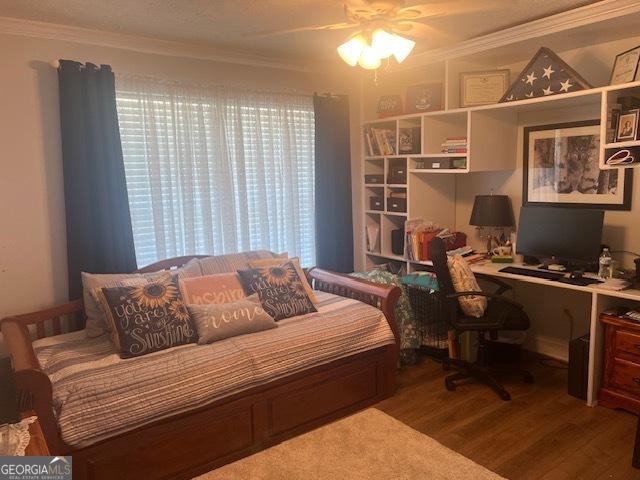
196, 441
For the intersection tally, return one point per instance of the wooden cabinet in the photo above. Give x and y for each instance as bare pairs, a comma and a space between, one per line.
621, 382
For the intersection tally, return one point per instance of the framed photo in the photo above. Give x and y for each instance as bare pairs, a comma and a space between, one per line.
389, 105
561, 169
424, 98
483, 88
627, 126
625, 67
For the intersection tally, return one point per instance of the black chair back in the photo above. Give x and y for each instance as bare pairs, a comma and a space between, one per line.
438, 252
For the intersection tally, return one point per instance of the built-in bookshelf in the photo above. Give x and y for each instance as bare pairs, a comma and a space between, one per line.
491, 133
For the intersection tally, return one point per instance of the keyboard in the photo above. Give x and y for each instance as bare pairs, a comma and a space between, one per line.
583, 282
527, 272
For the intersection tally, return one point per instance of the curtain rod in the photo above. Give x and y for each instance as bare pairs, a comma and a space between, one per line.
188, 83
56, 64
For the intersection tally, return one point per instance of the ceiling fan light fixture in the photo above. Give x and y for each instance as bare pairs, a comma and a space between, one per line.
402, 48
383, 42
351, 50
369, 58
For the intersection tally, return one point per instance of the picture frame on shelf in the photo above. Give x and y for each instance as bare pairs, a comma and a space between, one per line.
424, 98
625, 67
560, 168
483, 87
389, 105
627, 126
409, 140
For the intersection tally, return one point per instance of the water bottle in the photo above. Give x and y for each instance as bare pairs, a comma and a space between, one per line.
605, 271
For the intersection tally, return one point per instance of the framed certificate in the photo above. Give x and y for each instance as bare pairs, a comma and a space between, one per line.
625, 67
482, 88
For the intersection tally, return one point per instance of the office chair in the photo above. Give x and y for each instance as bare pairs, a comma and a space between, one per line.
501, 314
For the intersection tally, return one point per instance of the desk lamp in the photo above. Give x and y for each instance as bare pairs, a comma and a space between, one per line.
493, 212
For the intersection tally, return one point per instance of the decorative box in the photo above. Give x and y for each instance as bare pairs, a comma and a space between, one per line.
398, 174
377, 178
376, 203
396, 204
438, 163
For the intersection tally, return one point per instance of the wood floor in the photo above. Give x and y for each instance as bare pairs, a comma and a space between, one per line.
543, 433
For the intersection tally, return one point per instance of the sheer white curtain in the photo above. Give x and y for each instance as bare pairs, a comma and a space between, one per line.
214, 170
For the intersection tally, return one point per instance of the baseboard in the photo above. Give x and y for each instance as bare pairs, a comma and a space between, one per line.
553, 347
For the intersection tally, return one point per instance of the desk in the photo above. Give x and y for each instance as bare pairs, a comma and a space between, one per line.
601, 299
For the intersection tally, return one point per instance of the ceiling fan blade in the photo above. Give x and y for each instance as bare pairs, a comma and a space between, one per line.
308, 28
450, 8
417, 29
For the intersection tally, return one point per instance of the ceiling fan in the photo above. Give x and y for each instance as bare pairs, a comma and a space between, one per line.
381, 24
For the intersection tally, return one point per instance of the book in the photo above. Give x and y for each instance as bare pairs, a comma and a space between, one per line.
379, 142
454, 150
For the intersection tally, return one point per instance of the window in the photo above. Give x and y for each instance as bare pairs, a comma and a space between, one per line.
213, 170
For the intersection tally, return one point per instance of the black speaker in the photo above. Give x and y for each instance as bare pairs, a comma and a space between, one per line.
397, 241
578, 367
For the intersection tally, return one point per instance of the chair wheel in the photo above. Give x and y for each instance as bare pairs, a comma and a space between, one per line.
449, 385
528, 378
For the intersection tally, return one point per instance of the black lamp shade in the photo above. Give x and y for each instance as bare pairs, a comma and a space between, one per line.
492, 211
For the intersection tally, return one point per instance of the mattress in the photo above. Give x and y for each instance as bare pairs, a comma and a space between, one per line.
98, 395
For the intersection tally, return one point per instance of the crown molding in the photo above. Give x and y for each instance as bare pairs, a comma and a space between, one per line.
578, 17
560, 22
51, 31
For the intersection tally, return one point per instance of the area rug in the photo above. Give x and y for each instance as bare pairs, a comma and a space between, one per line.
367, 445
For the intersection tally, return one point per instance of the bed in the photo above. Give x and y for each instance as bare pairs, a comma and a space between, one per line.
184, 411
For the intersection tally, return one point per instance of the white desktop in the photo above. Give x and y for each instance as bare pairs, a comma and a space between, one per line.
570, 236
603, 296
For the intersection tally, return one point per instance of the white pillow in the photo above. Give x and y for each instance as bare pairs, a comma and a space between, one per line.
96, 323
465, 281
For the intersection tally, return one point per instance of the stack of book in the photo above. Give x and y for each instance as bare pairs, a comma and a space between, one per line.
454, 145
380, 141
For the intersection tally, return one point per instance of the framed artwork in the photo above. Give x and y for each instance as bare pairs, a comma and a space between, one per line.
424, 98
389, 105
627, 127
625, 67
561, 169
483, 88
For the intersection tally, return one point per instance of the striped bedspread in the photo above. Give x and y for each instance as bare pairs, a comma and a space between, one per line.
98, 395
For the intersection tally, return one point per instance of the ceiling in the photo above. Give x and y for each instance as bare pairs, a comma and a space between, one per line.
228, 23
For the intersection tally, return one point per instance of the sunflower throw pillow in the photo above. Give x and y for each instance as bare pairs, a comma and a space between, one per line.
269, 262
147, 318
281, 292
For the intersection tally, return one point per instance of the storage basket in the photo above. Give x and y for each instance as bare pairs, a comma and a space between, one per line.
430, 314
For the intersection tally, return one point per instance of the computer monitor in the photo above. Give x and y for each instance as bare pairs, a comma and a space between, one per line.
564, 234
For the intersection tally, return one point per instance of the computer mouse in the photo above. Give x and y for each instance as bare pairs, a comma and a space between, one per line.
576, 274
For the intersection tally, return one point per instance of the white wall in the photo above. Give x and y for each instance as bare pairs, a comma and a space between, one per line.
33, 272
